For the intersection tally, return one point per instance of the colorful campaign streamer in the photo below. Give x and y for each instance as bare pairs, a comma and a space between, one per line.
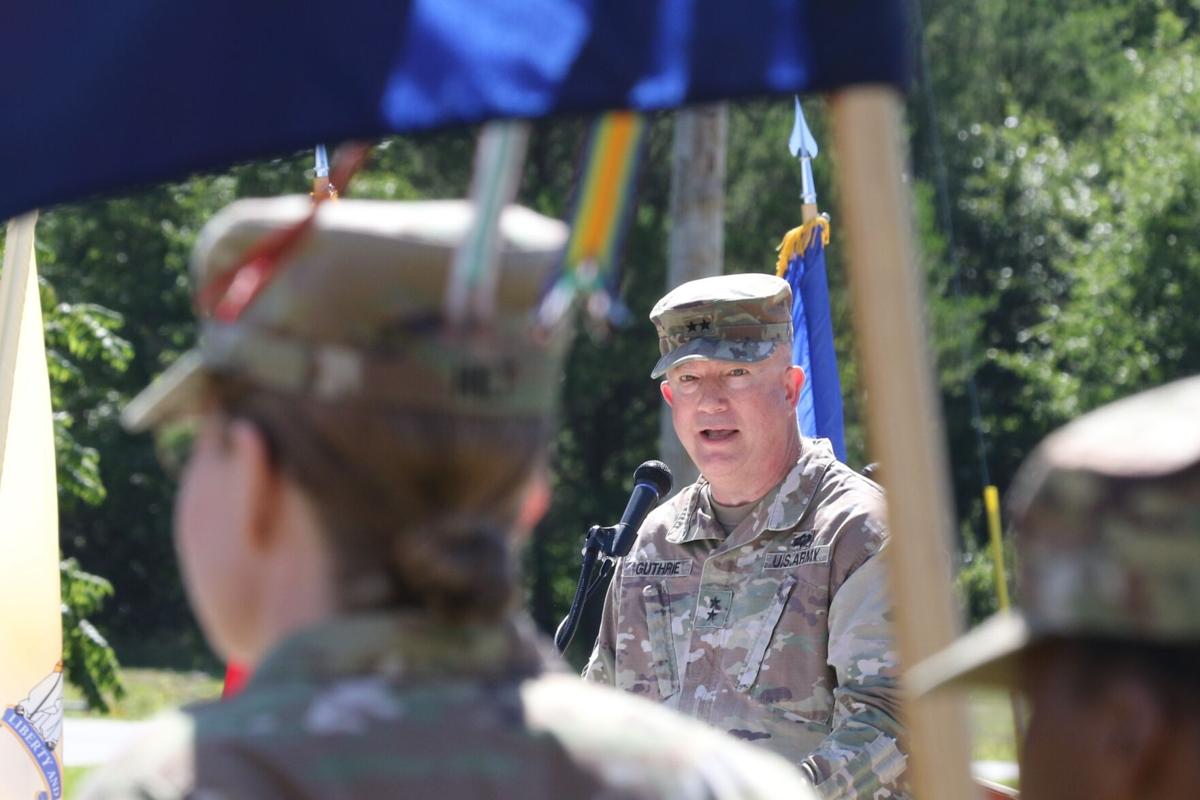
602, 206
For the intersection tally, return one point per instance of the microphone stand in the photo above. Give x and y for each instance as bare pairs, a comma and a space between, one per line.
651, 483
596, 547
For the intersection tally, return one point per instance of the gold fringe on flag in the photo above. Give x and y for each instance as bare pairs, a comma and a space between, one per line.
797, 240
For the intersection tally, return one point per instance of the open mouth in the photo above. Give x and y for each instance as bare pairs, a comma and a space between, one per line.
718, 434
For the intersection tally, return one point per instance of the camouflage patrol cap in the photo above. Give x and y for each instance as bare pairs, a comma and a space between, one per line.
1106, 514
355, 312
727, 318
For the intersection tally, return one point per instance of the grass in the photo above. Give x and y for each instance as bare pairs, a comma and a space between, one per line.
148, 691
73, 779
991, 719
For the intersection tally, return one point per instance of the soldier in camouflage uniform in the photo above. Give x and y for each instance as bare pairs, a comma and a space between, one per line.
1105, 641
347, 520
754, 600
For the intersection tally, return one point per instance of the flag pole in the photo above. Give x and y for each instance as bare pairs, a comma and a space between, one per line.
903, 418
801, 263
322, 187
804, 147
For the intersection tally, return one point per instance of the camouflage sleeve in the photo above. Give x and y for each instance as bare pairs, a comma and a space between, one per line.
602, 665
641, 750
171, 761
861, 757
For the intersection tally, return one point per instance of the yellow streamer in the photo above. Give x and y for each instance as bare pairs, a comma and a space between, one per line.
991, 504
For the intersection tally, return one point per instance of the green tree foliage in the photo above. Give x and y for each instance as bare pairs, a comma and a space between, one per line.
88, 660
1069, 146
79, 336
128, 254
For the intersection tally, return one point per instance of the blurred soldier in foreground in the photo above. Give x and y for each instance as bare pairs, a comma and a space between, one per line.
755, 599
1105, 643
346, 523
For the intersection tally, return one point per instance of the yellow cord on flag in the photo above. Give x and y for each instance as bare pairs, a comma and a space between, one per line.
797, 240
991, 505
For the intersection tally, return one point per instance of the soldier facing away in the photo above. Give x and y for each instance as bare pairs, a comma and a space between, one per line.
1105, 641
346, 523
755, 599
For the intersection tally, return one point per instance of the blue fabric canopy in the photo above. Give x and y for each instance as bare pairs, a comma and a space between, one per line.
95, 97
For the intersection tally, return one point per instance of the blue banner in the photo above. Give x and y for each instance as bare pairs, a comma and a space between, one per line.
102, 96
820, 408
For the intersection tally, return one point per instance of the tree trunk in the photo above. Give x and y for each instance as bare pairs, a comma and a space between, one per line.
697, 217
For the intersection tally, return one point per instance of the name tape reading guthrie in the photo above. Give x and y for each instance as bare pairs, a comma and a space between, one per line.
658, 569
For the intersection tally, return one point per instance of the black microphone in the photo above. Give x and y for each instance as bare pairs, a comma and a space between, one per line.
651, 483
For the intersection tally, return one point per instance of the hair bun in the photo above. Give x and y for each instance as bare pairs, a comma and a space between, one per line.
459, 568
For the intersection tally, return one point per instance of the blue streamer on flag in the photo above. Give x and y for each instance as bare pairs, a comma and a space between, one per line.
802, 264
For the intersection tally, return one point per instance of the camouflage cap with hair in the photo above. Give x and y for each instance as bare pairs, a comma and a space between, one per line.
727, 318
1106, 514
355, 314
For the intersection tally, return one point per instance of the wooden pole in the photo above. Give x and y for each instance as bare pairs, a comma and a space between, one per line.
903, 417
697, 245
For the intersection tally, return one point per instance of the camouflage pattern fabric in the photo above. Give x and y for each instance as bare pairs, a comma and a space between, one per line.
1106, 515
390, 706
728, 317
779, 633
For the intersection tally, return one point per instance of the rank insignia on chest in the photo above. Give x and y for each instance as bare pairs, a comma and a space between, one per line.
713, 609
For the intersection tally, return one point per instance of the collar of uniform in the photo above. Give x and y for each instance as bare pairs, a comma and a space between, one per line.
785, 505
405, 645
780, 509
695, 519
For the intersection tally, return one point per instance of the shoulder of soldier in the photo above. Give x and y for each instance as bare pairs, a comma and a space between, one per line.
638, 747
849, 512
166, 760
853, 496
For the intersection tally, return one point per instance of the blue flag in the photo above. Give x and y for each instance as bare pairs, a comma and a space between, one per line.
820, 408
103, 96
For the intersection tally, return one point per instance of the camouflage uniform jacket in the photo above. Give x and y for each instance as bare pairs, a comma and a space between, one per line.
778, 633
391, 706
